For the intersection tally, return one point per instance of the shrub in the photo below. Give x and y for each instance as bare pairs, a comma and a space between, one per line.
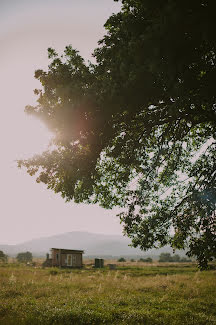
166, 257
146, 260
185, 259
3, 257
24, 257
121, 259
53, 272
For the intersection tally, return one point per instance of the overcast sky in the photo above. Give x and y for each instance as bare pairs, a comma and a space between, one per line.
27, 28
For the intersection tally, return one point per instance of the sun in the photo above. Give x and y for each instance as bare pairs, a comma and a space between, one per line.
34, 138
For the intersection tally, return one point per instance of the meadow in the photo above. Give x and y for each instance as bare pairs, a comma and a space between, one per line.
134, 293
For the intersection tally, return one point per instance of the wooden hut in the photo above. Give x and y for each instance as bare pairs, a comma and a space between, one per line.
62, 257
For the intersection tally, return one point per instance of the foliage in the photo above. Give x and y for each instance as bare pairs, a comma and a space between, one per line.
166, 257
149, 295
185, 259
54, 272
24, 257
138, 128
121, 259
3, 256
147, 260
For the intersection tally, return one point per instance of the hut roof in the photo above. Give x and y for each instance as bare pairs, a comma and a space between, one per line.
71, 250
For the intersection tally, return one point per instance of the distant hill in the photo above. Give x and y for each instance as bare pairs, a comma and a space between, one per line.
92, 244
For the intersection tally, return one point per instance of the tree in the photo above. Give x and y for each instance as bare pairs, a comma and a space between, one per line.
24, 257
185, 259
121, 259
3, 256
176, 258
146, 260
165, 257
138, 128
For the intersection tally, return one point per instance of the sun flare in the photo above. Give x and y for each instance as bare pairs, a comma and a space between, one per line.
34, 137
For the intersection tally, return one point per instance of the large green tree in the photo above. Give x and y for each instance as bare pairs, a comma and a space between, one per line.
137, 129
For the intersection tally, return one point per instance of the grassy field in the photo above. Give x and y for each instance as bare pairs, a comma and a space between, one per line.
133, 294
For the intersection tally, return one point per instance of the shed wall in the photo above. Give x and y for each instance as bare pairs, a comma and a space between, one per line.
60, 258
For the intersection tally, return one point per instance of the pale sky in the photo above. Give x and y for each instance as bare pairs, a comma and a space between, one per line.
27, 28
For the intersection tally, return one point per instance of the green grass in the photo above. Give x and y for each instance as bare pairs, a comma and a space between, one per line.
169, 294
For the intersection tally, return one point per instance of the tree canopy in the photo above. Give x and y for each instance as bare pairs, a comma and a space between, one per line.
24, 257
137, 129
3, 256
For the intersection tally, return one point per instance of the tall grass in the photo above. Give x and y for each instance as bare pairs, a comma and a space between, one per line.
128, 295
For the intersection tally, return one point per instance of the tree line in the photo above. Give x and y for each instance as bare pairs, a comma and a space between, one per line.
164, 257
23, 257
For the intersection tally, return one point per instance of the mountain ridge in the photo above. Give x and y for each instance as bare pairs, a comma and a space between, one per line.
92, 243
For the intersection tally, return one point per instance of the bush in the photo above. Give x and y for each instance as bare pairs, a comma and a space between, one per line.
3, 257
121, 259
24, 257
185, 259
146, 260
54, 272
166, 257
176, 258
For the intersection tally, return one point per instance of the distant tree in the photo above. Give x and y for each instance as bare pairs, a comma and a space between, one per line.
24, 257
141, 260
146, 260
121, 259
132, 260
165, 257
3, 257
185, 259
176, 258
